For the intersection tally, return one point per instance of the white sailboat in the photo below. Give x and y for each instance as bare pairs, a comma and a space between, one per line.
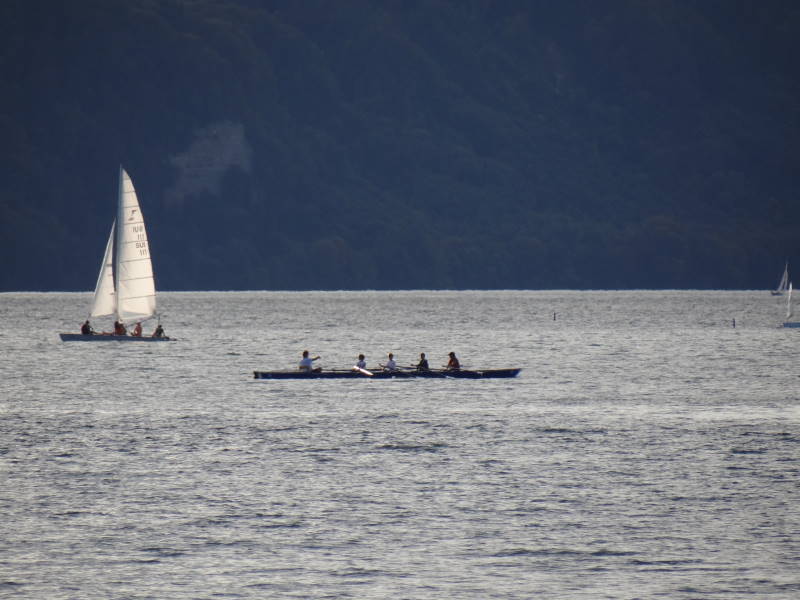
789, 312
783, 283
125, 286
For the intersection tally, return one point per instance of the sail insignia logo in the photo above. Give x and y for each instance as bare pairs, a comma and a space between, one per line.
133, 214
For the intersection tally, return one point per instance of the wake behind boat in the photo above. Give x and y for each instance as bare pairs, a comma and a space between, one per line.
125, 286
356, 373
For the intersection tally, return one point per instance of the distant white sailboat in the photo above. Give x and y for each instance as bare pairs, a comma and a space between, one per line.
125, 286
783, 283
789, 312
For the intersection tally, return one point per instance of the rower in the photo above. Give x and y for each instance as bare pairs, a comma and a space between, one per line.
422, 365
306, 363
453, 364
390, 365
362, 362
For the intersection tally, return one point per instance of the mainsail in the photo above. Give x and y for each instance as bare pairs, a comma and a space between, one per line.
136, 292
105, 302
789, 303
784, 282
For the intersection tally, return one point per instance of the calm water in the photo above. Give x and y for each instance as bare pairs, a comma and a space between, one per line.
649, 449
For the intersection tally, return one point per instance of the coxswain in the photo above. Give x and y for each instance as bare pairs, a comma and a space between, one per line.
453, 364
307, 363
390, 365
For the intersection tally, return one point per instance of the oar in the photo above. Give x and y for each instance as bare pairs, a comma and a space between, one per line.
362, 371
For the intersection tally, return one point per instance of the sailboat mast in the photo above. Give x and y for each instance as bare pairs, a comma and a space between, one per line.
119, 230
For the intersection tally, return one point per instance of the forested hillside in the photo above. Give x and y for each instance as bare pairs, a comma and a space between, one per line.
310, 144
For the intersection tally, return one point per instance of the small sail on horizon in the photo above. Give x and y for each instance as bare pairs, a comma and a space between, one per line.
789, 312
784, 281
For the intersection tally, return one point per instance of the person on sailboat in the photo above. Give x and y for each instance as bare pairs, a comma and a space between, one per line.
119, 328
159, 332
307, 363
137, 331
390, 365
86, 328
453, 364
362, 362
422, 365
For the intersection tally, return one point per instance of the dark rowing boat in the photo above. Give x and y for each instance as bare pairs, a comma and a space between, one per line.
101, 337
410, 374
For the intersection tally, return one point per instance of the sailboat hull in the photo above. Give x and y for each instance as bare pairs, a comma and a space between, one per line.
79, 337
795, 324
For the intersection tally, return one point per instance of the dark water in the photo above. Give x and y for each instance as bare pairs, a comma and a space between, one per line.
649, 449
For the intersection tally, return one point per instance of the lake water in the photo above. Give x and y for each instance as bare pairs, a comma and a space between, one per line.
648, 449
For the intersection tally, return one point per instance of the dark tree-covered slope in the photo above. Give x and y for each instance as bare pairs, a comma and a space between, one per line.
312, 144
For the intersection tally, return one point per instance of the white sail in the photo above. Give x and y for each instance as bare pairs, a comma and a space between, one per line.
784, 279
789, 303
136, 292
105, 302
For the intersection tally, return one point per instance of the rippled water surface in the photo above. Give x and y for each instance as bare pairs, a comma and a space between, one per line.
649, 449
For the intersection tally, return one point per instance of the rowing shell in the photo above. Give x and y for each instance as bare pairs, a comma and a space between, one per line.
99, 337
356, 373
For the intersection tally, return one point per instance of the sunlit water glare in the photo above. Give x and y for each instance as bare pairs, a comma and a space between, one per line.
648, 449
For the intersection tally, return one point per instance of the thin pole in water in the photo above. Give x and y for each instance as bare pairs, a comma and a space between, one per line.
734, 323
554, 316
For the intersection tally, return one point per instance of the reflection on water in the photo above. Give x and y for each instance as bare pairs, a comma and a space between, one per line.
648, 448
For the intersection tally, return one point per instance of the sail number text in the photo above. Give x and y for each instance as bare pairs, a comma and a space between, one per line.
141, 239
